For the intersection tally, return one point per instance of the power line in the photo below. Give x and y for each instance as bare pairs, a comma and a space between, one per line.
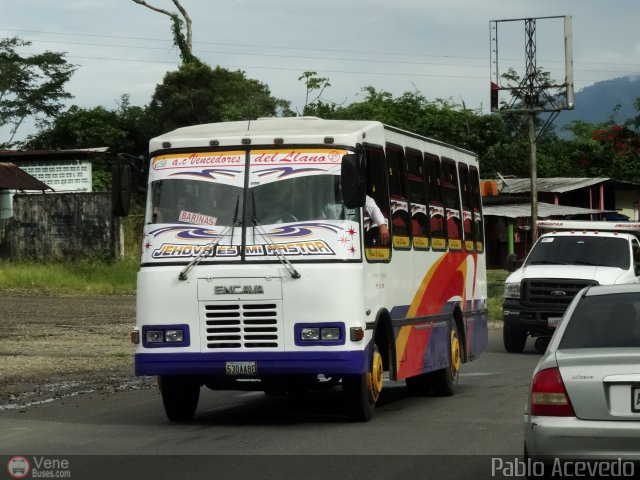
243, 67
359, 60
122, 37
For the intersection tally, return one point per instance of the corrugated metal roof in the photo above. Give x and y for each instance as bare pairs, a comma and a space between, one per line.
14, 178
547, 185
519, 210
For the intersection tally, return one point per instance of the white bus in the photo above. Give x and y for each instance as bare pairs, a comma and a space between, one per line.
261, 269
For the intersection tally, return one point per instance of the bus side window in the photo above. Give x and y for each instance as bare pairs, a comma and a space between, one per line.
476, 205
375, 251
416, 181
437, 222
399, 204
468, 226
452, 203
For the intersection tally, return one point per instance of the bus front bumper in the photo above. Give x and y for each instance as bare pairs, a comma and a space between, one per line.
266, 363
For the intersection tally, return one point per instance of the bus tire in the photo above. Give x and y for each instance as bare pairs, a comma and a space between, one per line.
180, 397
514, 340
361, 392
445, 381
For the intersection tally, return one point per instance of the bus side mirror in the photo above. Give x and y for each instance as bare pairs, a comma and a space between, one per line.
353, 181
120, 188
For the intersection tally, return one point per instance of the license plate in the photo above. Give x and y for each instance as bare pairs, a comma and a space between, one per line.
635, 398
237, 369
553, 322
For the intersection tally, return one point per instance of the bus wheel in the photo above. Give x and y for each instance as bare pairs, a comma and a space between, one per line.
361, 392
445, 381
180, 397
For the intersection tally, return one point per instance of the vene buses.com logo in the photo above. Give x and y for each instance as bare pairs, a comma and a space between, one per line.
18, 467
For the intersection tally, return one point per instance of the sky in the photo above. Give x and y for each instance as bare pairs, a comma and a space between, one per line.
441, 48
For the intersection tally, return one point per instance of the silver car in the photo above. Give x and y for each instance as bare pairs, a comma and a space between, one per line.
584, 401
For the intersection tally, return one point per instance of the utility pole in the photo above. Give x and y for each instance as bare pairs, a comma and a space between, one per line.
531, 102
533, 95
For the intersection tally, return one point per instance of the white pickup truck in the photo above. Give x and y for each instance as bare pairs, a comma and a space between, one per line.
569, 256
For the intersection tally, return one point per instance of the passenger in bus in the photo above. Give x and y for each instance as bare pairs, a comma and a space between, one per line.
377, 218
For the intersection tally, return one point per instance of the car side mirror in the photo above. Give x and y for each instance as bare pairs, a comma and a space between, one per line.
353, 181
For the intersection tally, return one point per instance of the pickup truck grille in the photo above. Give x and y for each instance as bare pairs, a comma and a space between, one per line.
241, 325
551, 293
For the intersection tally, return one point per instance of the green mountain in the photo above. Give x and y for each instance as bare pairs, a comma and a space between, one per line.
597, 103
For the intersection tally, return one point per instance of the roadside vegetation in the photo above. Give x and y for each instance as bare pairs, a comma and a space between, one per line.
95, 277
83, 277
495, 291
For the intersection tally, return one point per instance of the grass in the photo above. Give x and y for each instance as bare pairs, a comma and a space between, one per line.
119, 278
495, 291
85, 277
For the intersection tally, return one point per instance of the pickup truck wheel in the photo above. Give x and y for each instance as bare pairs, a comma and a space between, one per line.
514, 340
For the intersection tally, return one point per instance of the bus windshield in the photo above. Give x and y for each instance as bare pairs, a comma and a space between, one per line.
194, 202
314, 197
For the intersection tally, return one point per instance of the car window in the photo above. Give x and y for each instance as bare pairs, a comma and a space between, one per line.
581, 250
604, 321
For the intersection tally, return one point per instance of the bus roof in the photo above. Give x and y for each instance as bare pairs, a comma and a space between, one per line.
293, 130
631, 227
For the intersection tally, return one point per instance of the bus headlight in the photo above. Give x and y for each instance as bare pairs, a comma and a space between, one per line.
310, 334
331, 333
158, 336
154, 336
173, 336
319, 334
512, 290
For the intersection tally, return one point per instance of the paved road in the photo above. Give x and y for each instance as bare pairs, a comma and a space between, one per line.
246, 435
483, 418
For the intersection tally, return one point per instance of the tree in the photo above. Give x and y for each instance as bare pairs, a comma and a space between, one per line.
184, 41
125, 129
313, 83
30, 86
197, 93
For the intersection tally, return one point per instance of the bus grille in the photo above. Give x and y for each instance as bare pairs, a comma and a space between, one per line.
241, 325
551, 293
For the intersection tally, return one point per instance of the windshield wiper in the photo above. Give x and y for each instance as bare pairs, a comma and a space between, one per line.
284, 260
211, 245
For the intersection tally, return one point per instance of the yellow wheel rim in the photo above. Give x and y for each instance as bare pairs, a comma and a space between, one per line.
376, 376
455, 354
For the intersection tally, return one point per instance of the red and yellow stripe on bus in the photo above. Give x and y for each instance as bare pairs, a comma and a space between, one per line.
446, 279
